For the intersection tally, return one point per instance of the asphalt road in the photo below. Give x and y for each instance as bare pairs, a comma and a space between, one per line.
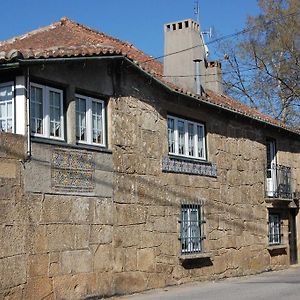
283, 285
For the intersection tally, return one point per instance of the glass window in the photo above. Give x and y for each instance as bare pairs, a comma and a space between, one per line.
186, 138
97, 122
171, 135
6, 107
274, 229
191, 231
191, 136
90, 122
200, 141
81, 119
46, 111
181, 137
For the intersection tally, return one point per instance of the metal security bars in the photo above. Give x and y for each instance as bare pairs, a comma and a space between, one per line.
191, 233
278, 181
274, 229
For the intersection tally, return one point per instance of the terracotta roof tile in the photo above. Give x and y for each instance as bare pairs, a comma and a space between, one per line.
67, 38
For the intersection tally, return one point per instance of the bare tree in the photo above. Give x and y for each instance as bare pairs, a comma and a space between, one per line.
263, 66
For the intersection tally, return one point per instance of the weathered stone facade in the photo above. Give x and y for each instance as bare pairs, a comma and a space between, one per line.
115, 228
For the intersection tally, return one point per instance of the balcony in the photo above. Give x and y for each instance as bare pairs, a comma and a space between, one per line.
278, 182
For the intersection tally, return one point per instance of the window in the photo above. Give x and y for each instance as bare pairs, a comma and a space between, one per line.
46, 112
191, 228
7, 107
90, 120
274, 229
186, 138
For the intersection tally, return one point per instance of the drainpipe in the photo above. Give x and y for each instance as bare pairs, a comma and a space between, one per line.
28, 154
197, 76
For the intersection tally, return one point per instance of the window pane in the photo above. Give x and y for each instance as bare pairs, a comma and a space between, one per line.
6, 112
9, 109
97, 122
274, 229
200, 133
6, 93
2, 110
171, 135
55, 114
9, 124
181, 132
191, 138
81, 119
36, 109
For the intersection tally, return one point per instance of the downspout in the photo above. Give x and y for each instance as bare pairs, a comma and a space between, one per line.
28, 154
197, 76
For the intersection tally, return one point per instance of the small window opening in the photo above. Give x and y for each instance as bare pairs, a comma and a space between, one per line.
174, 26
180, 25
186, 23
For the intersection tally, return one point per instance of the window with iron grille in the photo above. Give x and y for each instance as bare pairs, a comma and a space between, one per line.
186, 138
274, 229
191, 228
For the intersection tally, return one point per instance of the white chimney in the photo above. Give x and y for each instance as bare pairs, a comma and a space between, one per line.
185, 60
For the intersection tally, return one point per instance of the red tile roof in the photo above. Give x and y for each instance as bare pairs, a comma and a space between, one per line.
67, 38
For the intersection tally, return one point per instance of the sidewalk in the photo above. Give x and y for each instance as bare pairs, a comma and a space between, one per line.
284, 284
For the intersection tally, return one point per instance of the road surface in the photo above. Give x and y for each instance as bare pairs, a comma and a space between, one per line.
277, 285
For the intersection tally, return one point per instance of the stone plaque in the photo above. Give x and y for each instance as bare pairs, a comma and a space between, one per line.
186, 166
73, 170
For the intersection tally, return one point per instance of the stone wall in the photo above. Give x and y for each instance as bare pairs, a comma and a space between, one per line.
147, 200
55, 243
115, 228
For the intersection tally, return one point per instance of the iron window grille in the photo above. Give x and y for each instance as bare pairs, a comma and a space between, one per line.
274, 229
278, 181
192, 231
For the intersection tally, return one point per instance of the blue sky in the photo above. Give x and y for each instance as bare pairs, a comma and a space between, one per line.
137, 21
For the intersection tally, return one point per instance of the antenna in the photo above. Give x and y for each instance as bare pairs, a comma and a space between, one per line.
208, 33
197, 11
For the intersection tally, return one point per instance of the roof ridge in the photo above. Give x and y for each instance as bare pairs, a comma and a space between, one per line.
30, 33
66, 19
101, 33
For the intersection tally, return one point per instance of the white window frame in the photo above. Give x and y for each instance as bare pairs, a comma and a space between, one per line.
186, 138
191, 243
274, 230
46, 111
4, 84
89, 121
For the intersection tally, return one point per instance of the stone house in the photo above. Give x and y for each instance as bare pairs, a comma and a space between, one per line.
116, 176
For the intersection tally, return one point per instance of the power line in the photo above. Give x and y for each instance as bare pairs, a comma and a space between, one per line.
223, 73
221, 38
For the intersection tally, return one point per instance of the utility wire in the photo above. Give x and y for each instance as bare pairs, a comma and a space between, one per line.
274, 20
223, 73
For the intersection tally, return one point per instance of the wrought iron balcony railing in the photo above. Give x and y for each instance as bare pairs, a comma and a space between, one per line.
278, 182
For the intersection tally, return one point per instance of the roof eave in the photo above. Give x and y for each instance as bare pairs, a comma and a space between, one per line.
31, 61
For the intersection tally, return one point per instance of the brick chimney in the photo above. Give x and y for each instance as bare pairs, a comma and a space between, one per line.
185, 60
